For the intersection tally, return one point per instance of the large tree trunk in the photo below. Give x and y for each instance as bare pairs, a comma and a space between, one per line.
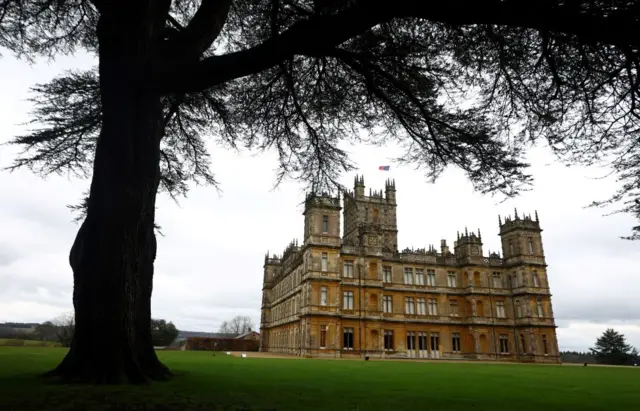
113, 254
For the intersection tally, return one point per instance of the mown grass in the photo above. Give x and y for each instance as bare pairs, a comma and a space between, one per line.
232, 383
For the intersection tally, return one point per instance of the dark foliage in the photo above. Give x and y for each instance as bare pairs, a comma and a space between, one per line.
471, 85
163, 333
612, 348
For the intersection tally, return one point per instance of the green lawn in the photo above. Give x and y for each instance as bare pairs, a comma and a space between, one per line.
37, 343
233, 383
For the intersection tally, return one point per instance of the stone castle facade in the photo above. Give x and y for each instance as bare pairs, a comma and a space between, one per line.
357, 295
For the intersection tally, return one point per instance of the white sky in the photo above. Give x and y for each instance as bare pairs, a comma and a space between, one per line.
209, 265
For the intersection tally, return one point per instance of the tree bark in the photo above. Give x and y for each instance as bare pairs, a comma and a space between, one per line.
114, 251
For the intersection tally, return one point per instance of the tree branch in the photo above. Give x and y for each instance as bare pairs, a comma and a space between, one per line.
323, 32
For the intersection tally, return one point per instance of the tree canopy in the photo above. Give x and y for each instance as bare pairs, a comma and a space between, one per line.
239, 324
466, 83
612, 348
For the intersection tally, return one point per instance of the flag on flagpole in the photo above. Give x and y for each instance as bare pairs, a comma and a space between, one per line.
384, 168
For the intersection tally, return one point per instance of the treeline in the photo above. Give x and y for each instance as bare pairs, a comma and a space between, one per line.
577, 357
61, 329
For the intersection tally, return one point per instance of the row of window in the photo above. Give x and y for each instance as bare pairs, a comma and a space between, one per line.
418, 276
432, 343
423, 306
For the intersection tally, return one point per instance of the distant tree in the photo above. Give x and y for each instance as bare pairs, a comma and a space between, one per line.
237, 325
65, 329
612, 348
163, 333
47, 331
465, 83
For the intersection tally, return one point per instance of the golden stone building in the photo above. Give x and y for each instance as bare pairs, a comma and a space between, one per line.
358, 295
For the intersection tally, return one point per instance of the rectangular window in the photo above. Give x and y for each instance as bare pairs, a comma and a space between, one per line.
409, 307
500, 312
530, 245
408, 275
422, 306
518, 309
325, 224
540, 309
504, 344
545, 346
431, 278
497, 280
451, 279
323, 336
435, 342
348, 269
422, 341
325, 261
324, 296
511, 250
388, 340
433, 306
388, 278
419, 276
523, 343
347, 339
411, 340
536, 279
387, 301
455, 342
348, 300
453, 309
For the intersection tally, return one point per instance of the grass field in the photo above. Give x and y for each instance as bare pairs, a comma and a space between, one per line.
28, 343
232, 383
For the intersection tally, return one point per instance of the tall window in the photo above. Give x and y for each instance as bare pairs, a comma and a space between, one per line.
422, 341
419, 276
408, 275
523, 343
451, 279
347, 339
435, 342
540, 308
388, 340
518, 309
433, 306
325, 261
387, 304
323, 336
545, 346
324, 295
504, 344
497, 280
411, 340
536, 279
325, 224
347, 302
511, 253
454, 309
422, 306
409, 307
500, 312
386, 271
348, 269
376, 215
431, 278
455, 342
530, 245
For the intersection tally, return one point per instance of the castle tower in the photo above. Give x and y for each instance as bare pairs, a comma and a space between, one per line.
468, 244
322, 219
375, 214
521, 239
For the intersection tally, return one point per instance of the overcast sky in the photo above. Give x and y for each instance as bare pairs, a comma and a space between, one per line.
209, 265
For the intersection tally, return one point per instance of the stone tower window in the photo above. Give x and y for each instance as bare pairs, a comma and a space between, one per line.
530, 245
376, 214
325, 261
325, 224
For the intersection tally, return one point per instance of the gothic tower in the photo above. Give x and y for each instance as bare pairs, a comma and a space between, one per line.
521, 239
375, 213
322, 219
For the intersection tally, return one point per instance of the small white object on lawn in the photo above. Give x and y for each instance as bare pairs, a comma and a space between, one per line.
228, 353
244, 355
